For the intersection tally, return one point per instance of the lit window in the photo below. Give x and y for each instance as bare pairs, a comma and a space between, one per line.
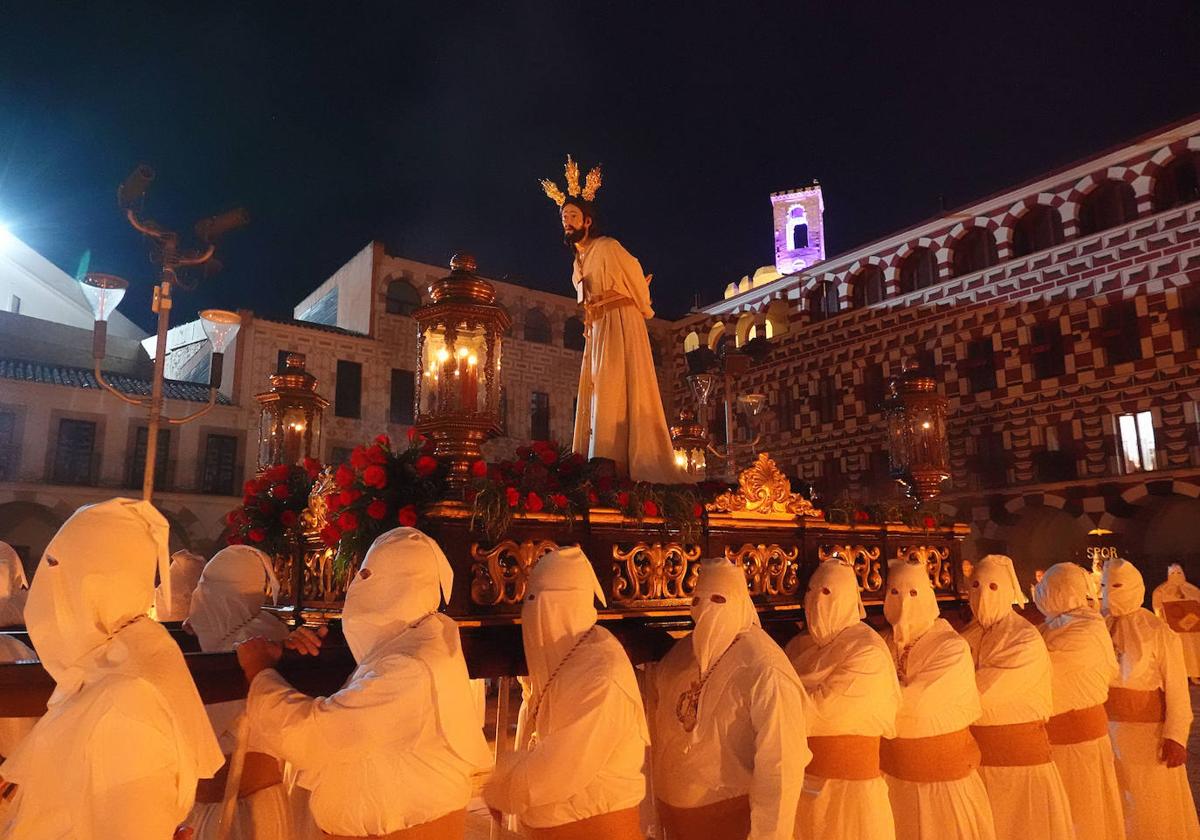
1136, 432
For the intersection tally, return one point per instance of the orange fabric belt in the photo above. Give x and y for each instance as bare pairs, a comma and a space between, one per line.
850, 757
1128, 705
606, 303
1077, 726
728, 819
938, 758
1013, 744
452, 826
615, 825
259, 772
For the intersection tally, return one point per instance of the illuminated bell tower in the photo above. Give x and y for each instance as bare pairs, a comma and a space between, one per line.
799, 228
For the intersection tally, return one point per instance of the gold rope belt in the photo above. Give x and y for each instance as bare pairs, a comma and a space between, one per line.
1013, 744
452, 826
1077, 726
1128, 705
849, 757
728, 819
605, 303
938, 758
260, 771
615, 825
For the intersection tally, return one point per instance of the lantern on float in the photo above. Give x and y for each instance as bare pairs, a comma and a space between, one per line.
458, 349
690, 442
918, 448
289, 420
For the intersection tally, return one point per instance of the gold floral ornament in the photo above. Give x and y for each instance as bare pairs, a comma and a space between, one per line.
763, 491
591, 184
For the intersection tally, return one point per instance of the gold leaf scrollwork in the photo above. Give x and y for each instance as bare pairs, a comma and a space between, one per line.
658, 573
936, 560
770, 569
862, 559
314, 517
763, 491
499, 575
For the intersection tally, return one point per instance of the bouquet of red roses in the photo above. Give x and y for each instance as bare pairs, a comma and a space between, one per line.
269, 516
380, 488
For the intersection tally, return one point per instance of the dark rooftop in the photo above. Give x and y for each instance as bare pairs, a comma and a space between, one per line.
75, 377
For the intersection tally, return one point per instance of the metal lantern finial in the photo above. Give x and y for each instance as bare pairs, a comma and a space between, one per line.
918, 448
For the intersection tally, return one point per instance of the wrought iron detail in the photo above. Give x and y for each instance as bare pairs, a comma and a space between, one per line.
500, 575
654, 573
770, 569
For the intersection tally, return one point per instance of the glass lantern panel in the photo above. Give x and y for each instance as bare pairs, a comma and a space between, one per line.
453, 379
295, 432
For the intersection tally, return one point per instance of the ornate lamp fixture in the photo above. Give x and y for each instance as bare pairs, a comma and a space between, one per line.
458, 349
689, 436
289, 421
918, 449
690, 441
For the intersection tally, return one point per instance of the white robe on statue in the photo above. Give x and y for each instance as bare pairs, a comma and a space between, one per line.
583, 729
1158, 801
125, 738
395, 747
850, 679
226, 608
1175, 589
174, 604
938, 696
14, 588
619, 411
748, 738
1012, 670
1082, 664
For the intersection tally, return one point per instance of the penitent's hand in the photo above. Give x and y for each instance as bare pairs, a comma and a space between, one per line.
1173, 753
306, 641
256, 655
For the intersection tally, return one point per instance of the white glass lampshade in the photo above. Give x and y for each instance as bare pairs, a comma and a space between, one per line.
220, 325
103, 293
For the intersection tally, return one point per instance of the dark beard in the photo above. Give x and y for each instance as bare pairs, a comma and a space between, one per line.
574, 237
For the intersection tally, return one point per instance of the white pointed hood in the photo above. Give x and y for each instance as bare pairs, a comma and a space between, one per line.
559, 607
174, 595
721, 610
13, 587
227, 605
994, 589
1122, 589
910, 604
1064, 588
833, 602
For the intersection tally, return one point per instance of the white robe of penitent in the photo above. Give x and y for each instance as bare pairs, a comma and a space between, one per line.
124, 738
1158, 801
1012, 671
14, 588
186, 567
749, 737
1082, 664
852, 689
226, 608
582, 730
619, 411
395, 747
1175, 589
938, 696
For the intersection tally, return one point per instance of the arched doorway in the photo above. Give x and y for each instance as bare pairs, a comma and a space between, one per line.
1163, 532
1041, 537
28, 527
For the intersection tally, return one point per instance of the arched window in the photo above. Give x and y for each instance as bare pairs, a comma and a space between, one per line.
745, 329
691, 342
1039, 228
974, 251
537, 326
715, 335
1110, 204
572, 334
800, 236
868, 286
823, 301
402, 298
918, 271
1178, 182
777, 319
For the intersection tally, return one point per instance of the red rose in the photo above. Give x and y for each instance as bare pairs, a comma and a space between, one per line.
330, 535
312, 466
407, 517
413, 435
377, 455
558, 500
344, 476
249, 488
862, 516
479, 469
348, 521
697, 510
279, 491
513, 496
279, 472
358, 458
930, 522
257, 535
523, 452
377, 509
533, 503
593, 499
247, 501
623, 499
266, 508
383, 440
234, 539
348, 497
375, 476
649, 508
426, 466
334, 502
234, 517
288, 518
548, 456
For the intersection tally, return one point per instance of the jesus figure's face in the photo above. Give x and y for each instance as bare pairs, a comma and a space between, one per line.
575, 224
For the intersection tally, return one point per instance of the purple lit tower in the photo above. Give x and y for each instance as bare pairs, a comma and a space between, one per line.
799, 229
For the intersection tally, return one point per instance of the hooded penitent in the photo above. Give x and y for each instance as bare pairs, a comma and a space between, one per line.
910, 604
721, 610
174, 595
559, 607
833, 602
1064, 588
994, 589
13, 587
87, 616
227, 604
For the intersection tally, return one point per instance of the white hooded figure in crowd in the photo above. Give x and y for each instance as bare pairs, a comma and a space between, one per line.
13, 588
1012, 671
931, 765
227, 608
124, 739
853, 696
394, 750
729, 743
1177, 602
1082, 664
578, 771
1149, 712
174, 604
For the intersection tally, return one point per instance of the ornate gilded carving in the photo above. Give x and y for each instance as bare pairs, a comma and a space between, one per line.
936, 559
499, 575
654, 572
862, 559
763, 491
313, 517
770, 569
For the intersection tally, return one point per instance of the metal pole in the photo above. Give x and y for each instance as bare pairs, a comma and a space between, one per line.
161, 305
730, 465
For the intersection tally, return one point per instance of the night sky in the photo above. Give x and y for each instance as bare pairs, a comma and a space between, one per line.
426, 126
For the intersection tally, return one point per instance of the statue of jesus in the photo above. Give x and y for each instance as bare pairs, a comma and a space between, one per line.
619, 414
